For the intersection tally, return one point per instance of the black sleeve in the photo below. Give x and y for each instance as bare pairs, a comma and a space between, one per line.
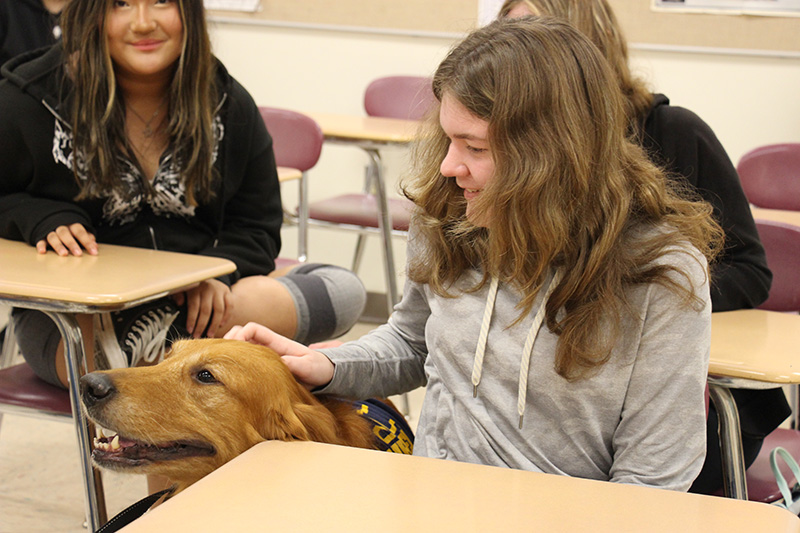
35, 193
685, 145
252, 216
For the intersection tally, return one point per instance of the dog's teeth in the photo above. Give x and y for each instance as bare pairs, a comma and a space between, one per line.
115, 443
96, 442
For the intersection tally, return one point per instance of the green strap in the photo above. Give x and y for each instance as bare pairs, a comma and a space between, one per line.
786, 492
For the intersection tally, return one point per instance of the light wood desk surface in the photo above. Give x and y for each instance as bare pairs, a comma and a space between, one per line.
289, 174
357, 129
757, 345
777, 215
311, 487
117, 276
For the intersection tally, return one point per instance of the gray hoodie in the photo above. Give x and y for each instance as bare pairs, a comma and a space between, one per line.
639, 419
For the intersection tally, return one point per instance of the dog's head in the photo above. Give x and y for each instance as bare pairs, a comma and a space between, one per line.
206, 403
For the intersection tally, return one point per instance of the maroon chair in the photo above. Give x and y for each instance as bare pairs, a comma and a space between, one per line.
405, 97
297, 142
400, 97
22, 393
770, 176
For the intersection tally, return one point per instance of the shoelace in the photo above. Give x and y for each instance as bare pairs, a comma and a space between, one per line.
527, 349
148, 336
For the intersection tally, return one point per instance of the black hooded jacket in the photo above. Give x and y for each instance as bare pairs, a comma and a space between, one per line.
25, 25
38, 188
684, 145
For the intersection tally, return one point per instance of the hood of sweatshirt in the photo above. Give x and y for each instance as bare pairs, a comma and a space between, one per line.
32, 73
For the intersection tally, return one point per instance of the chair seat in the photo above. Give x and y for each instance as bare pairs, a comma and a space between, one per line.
20, 387
360, 210
281, 262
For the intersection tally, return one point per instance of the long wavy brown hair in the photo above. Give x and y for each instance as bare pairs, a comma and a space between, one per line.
98, 111
570, 190
596, 20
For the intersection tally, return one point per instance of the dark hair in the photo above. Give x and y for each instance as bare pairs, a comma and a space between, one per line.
98, 111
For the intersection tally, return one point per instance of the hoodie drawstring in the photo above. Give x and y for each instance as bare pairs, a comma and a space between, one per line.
527, 349
477, 366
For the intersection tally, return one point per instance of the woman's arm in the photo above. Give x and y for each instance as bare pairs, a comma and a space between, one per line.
36, 192
660, 440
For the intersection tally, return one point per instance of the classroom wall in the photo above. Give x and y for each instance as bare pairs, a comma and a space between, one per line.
747, 100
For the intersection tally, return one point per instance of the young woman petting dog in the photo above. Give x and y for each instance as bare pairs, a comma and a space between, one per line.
131, 132
679, 139
557, 303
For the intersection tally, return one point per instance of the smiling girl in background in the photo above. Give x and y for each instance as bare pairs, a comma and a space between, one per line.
557, 303
132, 133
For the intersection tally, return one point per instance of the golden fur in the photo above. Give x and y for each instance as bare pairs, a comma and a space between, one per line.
206, 403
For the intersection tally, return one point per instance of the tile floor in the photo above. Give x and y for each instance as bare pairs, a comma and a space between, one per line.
40, 484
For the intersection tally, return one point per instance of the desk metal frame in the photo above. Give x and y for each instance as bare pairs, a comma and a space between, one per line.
63, 314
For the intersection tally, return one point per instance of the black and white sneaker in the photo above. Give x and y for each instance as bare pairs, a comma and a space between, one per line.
140, 334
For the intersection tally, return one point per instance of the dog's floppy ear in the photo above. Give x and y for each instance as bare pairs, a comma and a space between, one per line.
301, 421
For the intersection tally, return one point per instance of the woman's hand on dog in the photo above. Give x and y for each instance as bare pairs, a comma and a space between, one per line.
312, 369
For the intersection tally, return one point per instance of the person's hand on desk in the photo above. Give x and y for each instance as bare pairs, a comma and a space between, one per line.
312, 369
69, 239
208, 305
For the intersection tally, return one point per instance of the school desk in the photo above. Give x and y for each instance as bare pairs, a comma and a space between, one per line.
311, 487
776, 215
117, 278
372, 134
288, 174
750, 349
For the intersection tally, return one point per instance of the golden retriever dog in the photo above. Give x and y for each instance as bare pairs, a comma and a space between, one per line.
206, 403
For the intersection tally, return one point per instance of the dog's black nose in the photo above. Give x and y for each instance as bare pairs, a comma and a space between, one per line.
96, 388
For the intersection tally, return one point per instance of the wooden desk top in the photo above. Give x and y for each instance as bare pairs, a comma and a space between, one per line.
114, 278
757, 345
777, 215
289, 174
311, 487
355, 129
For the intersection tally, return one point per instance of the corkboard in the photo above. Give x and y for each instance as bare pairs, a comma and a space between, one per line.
429, 16
743, 32
640, 23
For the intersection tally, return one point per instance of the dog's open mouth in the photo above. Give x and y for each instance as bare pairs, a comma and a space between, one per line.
117, 451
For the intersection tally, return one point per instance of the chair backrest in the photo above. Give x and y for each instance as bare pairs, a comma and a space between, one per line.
782, 244
296, 138
406, 97
771, 176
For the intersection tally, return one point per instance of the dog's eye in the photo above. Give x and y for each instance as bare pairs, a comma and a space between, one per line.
204, 376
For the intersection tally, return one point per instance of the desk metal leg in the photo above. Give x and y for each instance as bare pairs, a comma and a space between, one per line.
730, 442
385, 226
73, 351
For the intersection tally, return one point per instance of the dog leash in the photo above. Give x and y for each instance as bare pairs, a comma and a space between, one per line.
131, 513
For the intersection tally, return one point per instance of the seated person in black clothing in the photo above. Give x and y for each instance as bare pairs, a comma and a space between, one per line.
687, 148
26, 25
130, 132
